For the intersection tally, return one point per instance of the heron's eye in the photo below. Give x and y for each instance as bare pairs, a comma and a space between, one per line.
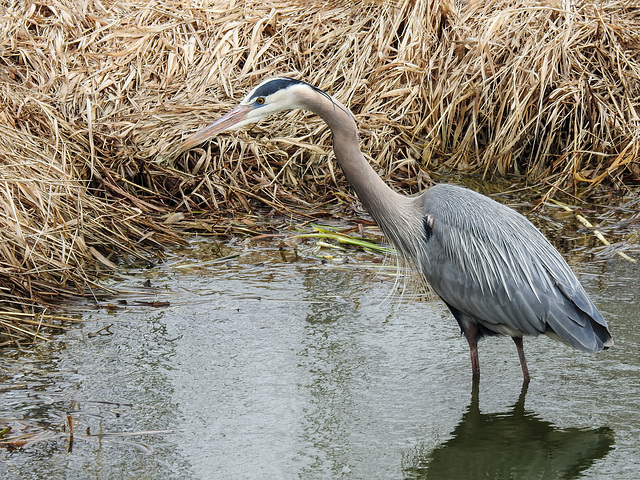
260, 100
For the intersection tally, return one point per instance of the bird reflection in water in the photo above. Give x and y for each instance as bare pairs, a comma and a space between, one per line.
511, 445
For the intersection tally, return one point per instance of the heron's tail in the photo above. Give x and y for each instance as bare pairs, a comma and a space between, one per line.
586, 332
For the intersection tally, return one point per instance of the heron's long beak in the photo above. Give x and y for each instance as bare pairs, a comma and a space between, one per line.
227, 121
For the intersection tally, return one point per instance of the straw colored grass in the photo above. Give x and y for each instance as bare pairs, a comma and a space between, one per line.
96, 96
57, 237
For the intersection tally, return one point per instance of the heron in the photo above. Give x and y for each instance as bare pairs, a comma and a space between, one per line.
495, 271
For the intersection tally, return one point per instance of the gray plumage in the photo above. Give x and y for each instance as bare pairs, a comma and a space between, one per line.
495, 271
498, 270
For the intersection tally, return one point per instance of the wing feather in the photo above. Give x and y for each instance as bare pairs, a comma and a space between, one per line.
491, 263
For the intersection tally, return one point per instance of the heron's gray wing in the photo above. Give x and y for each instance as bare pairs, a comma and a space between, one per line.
489, 262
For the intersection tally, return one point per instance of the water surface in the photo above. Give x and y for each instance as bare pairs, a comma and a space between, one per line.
270, 368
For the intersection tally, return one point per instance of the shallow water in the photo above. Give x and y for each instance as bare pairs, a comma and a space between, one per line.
268, 368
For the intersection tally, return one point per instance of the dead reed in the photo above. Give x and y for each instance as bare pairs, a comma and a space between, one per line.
95, 97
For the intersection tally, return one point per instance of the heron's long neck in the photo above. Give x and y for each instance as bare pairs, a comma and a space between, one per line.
395, 214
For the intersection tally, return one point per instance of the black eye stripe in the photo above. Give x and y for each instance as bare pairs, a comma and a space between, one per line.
273, 86
280, 83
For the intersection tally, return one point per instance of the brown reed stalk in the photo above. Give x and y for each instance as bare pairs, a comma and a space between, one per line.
96, 96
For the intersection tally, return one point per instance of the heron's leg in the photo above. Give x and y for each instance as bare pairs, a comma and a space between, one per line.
523, 361
470, 330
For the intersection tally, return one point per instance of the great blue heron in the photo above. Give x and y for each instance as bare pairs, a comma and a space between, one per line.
495, 271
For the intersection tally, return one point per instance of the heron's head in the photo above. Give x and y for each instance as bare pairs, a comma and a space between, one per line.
269, 97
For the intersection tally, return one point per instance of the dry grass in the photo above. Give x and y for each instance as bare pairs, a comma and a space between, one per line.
57, 237
95, 97
531, 89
